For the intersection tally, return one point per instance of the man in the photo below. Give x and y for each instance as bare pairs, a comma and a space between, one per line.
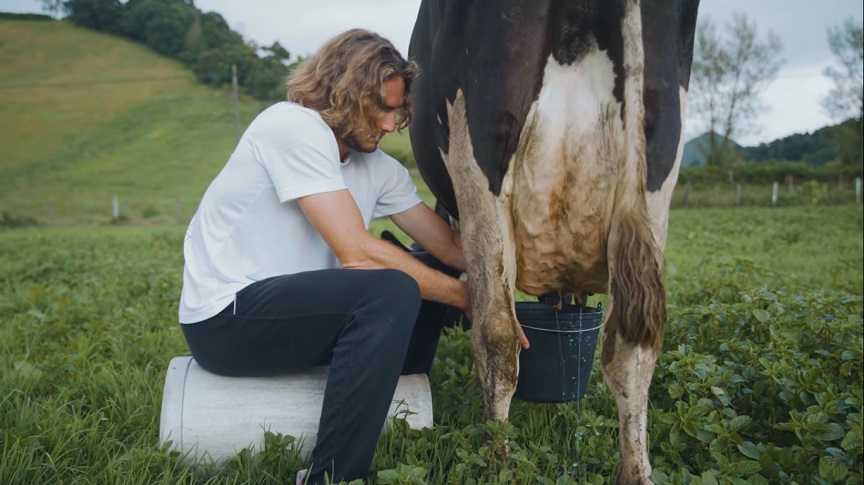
281, 273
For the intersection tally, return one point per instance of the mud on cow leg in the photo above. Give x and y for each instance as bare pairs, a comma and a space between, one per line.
496, 355
491, 267
632, 338
628, 376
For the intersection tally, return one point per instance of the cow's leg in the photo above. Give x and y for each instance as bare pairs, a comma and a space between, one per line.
490, 259
633, 336
637, 299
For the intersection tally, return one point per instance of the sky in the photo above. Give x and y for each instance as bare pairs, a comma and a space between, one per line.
793, 99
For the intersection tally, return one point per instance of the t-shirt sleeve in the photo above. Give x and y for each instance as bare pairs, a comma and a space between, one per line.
302, 162
397, 191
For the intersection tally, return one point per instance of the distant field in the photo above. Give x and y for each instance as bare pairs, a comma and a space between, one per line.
58, 81
85, 116
760, 380
399, 146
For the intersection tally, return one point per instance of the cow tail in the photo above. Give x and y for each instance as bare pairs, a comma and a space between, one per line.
638, 299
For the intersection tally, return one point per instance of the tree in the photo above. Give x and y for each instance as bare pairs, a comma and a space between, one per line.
54, 8
267, 80
845, 101
728, 74
103, 15
161, 24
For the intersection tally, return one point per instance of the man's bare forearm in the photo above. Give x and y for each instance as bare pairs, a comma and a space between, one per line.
373, 253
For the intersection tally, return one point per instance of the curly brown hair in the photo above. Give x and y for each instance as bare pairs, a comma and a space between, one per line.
344, 82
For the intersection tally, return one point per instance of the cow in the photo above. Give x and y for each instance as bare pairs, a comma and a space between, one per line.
552, 131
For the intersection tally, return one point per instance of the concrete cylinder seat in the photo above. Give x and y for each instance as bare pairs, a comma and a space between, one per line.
212, 416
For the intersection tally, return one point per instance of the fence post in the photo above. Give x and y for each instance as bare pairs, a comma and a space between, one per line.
774, 193
857, 190
737, 194
234, 96
115, 206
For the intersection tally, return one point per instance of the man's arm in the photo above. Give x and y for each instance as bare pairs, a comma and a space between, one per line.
336, 217
434, 235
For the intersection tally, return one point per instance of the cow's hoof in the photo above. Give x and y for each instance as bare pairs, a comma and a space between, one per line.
622, 480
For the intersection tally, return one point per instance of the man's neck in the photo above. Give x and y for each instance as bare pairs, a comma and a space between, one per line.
343, 148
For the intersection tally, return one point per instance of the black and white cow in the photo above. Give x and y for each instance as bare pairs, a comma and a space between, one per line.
552, 129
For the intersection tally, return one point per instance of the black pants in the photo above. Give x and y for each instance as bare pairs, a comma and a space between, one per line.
363, 323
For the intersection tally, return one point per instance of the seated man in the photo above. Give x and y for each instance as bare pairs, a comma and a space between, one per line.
281, 273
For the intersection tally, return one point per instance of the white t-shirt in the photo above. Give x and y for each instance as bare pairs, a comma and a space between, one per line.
249, 226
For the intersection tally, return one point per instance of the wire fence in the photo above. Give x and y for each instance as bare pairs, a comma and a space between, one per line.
123, 209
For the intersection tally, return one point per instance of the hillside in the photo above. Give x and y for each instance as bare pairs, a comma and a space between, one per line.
85, 116
816, 148
819, 147
693, 150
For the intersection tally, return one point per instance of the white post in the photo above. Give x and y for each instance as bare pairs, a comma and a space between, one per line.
857, 190
115, 204
774, 193
234, 89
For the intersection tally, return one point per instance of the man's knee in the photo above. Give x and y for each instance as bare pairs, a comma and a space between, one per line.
398, 286
399, 295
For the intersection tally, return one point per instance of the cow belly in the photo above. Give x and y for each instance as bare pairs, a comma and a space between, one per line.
564, 178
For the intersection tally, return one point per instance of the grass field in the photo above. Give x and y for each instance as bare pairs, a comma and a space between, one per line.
760, 380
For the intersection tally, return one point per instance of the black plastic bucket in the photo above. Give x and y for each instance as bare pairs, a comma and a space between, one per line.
557, 366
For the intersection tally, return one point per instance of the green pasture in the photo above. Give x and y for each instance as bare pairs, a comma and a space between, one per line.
85, 117
760, 380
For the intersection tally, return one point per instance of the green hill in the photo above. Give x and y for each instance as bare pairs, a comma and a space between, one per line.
818, 148
693, 150
85, 116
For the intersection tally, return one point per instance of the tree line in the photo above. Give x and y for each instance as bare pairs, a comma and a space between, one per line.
821, 147
177, 29
732, 67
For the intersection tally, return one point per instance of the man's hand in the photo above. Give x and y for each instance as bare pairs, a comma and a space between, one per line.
522, 338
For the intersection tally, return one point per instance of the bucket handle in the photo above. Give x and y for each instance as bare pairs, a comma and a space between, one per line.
563, 331
581, 330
